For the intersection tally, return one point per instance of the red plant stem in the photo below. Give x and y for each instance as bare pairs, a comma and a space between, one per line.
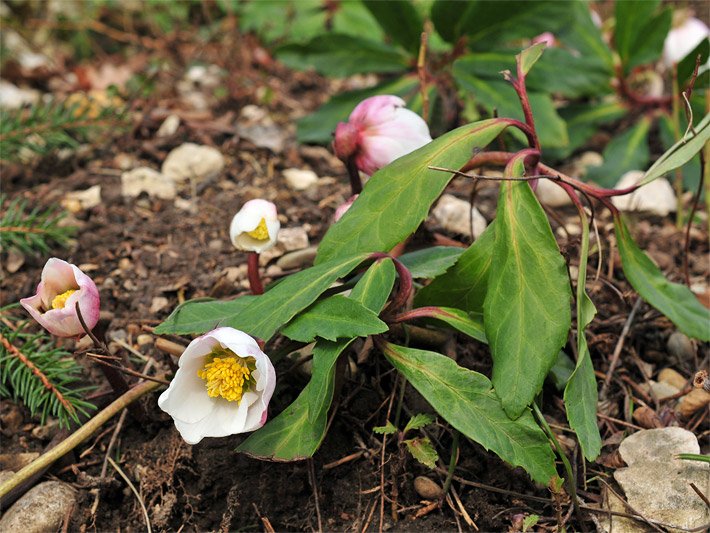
253, 273
519, 86
420, 312
405, 282
529, 132
354, 173
623, 89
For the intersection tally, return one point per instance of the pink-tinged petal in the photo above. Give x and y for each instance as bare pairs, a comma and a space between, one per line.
375, 110
248, 219
343, 208
345, 141
57, 277
547, 37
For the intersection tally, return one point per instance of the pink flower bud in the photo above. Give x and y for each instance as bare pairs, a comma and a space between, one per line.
343, 208
255, 227
683, 39
380, 129
62, 285
222, 386
547, 37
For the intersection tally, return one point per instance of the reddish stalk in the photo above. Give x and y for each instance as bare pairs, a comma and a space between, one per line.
354, 174
419, 312
405, 283
253, 273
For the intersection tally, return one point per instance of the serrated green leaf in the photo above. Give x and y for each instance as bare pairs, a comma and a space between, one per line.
674, 300
423, 451
464, 399
399, 20
464, 285
388, 429
681, 152
431, 262
625, 152
418, 421
397, 198
580, 394
342, 55
528, 57
334, 318
529, 521
527, 308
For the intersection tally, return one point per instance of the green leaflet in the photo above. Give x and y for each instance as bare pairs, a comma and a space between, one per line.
627, 151
526, 311
581, 391
398, 197
674, 300
262, 315
334, 318
464, 398
529, 56
471, 325
464, 285
431, 262
400, 21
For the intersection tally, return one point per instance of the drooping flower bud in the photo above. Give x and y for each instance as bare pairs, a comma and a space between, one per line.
255, 227
343, 208
380, 129
683, 39
61, 286
547, 37
222, 386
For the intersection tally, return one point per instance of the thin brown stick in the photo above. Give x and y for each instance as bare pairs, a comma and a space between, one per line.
125, 370
700, 494
37, 372
22, 229
343, 460
619, 346
314, 486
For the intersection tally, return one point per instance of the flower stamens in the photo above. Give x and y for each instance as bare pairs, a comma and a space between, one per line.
60, 300
261, 232
228, 377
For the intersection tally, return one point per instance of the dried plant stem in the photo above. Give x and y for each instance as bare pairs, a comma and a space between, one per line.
80, 435
133, 490
37, 372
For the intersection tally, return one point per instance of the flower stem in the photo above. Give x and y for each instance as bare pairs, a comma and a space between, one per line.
253, 273
405, 283
354, 173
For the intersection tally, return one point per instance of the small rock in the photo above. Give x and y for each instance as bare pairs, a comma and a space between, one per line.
152, 182
76, 201
656, 484
300, 180
12, 417
298, 259
680, 347
158, 304
215, 245
427, 489
144, 339
16, 461
291, 239
692, 402
168, 127
256, 126
46, 431
5, 475
193, 161
656, 197
673, 378
551, 194
660, 390
41, 510
15, 260
14, 97
454, 215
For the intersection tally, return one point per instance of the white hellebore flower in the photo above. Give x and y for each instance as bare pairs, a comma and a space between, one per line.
222, 386
255, 227
683, 39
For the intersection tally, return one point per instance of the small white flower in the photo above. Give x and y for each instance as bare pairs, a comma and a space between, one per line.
255, 227
683, 39
222, 387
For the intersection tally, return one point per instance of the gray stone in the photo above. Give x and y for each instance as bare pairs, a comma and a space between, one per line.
41, 510
152, 182
455, 214
551, 194
657, 484
298, 259
168, 127
656, 197
193, 161
299, 179
76, 201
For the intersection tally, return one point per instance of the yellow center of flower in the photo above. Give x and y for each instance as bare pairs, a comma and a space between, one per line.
260, 233
60, 300
228, 377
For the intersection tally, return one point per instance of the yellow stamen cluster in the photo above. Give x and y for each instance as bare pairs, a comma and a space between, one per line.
260, 233
228, 377
60, 300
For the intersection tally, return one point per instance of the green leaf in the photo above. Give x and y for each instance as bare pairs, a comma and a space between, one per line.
372, 291
674, 300
418, 421
694, 457
431, 262
648, 43
318, 127
528, 57
681, 152
334, 318
353, 18
342, 55
389, 429
297, 20
581, 395
399, 20
686, 67
561, 370
465, 399
627, 151
464, 285
469, 324
201, 315
691, 169
527, 308
423, 451
529, 521
584, 37
631, 17
583, 121
397, 198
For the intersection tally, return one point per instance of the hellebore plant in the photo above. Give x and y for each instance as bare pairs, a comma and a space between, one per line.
380, 129
222, 386
255, 229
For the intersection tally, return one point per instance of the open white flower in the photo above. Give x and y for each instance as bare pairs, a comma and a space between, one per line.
683, 39
255, 227
223, 386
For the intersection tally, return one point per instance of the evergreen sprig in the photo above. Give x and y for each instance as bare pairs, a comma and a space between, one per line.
44, 378
47, 127
31, 231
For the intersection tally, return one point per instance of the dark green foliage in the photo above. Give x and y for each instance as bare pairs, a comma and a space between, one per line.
33, 231
19, 383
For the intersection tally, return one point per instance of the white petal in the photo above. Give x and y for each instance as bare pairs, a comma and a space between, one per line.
186, 398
